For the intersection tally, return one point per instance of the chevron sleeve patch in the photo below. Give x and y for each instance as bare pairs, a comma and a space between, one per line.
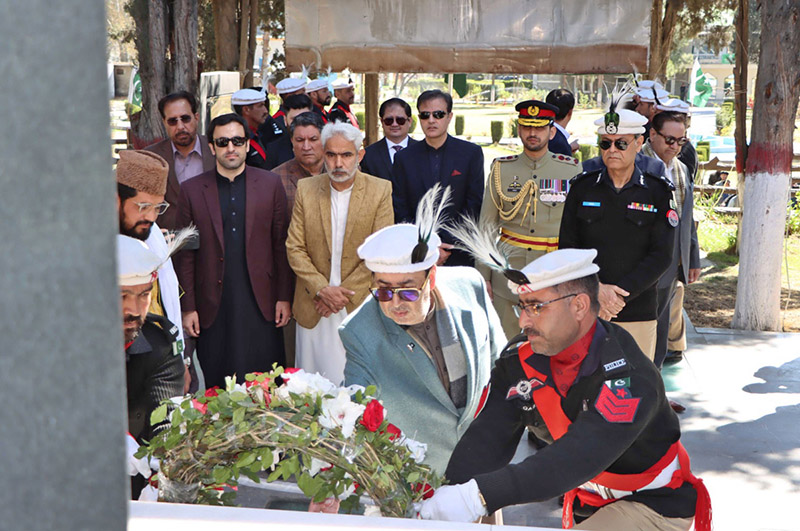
616, 407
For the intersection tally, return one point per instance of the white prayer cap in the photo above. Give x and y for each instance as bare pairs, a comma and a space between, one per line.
648, 84
290, 84
649, 95
343, 83
673, 105
247, 97
136, 263
556, 268
389, 250
317, 84
621, 122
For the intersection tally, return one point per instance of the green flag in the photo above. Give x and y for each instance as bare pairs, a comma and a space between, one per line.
700, 89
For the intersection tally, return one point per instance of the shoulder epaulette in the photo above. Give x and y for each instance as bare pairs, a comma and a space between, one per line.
511, 347
564, 158
507, 158
168, 327
592, 173
662, 179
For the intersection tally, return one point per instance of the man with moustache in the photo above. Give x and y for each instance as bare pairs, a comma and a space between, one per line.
427, 338
185, 151
441, 159
345, 93
154, 369
333, 214
320, 96
584, 386
305, 134
395, 115
291, 86
237, 284
280, 151
251, 105
524, 199
626, 215
141, 184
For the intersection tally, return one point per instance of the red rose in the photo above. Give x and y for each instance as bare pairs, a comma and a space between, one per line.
427, 490
394, 431
212, 392
373, 416
202, 408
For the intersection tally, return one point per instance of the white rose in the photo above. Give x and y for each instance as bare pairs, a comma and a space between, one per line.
416, 448
342, 412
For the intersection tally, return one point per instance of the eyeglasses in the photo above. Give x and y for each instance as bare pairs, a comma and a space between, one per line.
620, 144
406, 294
160, 208
535, 308
185, 118
389, 120
222, 141
424, 115
670, 140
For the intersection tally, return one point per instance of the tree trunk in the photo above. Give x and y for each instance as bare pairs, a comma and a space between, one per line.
184, 75
226, 34
740, 104
150, 39
769, 168
662, 33
251, 45
244, 27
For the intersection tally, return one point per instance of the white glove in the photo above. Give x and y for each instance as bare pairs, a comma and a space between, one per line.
136, 466
455, 503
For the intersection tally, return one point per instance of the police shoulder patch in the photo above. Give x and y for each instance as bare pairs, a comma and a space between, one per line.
580, 176
662, 179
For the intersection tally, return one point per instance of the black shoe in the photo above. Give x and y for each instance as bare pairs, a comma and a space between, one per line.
673, 357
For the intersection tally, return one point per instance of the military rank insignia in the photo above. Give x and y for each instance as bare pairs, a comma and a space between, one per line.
523, 389
642, 207
615, 403
514, 186
553, 190
672, 218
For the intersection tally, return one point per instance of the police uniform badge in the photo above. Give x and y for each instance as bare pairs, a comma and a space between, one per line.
672, 218
523, 389
615, 403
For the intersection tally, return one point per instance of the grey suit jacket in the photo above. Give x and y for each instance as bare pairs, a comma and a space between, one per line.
382, 353
164, 148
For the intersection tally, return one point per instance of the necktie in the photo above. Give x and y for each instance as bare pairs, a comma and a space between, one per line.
397, 148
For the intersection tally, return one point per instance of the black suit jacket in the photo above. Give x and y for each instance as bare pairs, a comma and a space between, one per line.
376, 159
461, 169
559, 144
279, 151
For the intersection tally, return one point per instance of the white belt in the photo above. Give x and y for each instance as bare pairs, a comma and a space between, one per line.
662, 479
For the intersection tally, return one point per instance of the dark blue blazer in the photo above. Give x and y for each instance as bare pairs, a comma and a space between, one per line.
461, 169
279, 151
376, 159
559, 144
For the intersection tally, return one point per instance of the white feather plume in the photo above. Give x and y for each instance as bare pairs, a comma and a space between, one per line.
482, 242
304, 73
180, 239
431, 209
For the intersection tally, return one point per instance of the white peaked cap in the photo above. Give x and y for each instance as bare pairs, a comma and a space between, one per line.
136, 263
342, 83
247, 97
556, 268
290, 84
630, 123
389, 250
673, 105
317, 84
646, 94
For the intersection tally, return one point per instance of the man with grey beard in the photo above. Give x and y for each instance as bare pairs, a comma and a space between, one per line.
323, 237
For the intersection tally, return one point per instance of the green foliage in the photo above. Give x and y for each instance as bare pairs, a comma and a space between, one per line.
459, 124
703, 149
512, 126
793, 216
716, 232
497, 131
413, 123
586, 152
724, 119
361, 118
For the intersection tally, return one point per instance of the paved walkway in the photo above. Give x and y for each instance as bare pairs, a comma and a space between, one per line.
741, 428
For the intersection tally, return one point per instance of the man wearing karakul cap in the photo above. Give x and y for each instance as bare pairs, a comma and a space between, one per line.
153, 364
427, 338
582, 385
626, 215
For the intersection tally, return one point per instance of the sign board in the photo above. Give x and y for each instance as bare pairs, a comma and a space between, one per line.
499, 36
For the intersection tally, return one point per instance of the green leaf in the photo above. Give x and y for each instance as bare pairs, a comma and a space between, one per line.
308, 484
159, 414
274, 475
238, 416
371, 390
413, 477
245, 459
221, 475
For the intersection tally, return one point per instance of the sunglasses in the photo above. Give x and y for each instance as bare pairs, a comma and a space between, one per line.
389, 120
670, 140
424, 115
185, 118
160, 208
535, 308
406, 294
620, 144
222, 141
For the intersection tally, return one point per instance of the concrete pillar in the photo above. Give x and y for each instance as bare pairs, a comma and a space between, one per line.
62, 379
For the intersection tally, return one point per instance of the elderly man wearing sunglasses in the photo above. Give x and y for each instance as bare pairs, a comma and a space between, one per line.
629, 217
427, 338
395, 115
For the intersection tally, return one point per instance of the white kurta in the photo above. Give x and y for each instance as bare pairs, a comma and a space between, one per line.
319, 349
